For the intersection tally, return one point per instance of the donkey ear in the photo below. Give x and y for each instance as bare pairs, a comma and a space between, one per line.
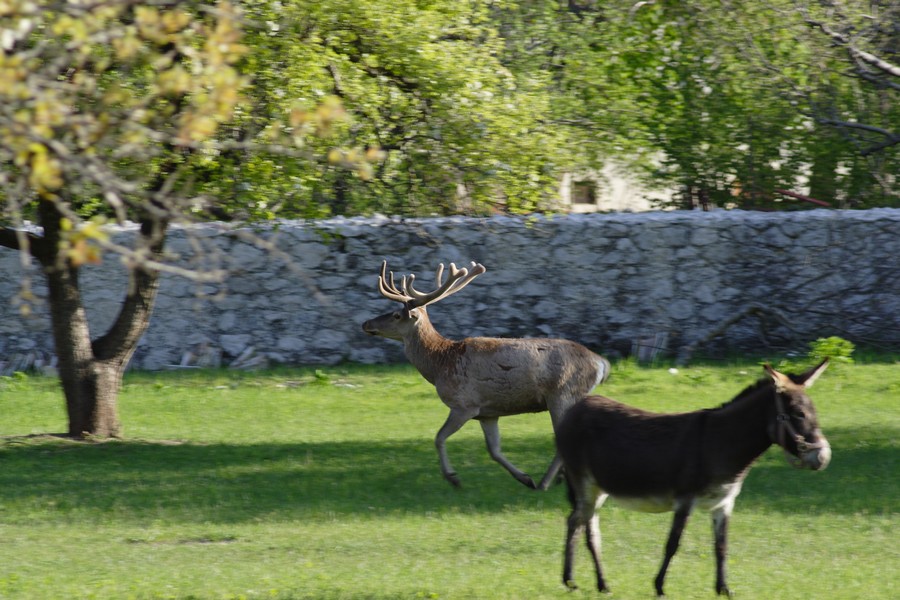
781, 380
809, 378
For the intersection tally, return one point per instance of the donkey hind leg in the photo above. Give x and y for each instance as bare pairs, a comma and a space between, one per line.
491, 429
592, 536
720, 532
682, 512
586, 500
454, 422
552, 473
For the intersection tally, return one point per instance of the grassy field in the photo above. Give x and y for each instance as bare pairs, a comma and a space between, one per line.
325, 484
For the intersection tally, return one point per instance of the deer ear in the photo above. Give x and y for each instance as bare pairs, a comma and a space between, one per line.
809, 378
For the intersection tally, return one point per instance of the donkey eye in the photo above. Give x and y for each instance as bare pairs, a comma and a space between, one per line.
799, 414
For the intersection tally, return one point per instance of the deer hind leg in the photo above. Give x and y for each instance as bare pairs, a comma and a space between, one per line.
682, 512
454, 423
491, 429
552, 472
557, 409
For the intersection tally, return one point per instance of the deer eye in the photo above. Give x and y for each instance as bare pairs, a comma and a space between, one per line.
397, 316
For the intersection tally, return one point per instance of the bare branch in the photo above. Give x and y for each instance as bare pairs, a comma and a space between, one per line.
867, 57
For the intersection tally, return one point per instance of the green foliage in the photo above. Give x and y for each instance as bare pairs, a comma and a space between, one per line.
321, 377
449, 106
95, 97
837, 349
425, 85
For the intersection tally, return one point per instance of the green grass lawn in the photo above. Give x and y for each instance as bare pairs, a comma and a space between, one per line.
297, 484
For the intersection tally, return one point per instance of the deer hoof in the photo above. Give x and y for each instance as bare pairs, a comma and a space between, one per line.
570, 584
453, 479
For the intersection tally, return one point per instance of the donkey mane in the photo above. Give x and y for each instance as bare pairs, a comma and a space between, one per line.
749, 391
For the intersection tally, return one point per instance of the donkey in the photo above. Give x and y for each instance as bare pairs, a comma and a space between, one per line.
676, 462
485, 378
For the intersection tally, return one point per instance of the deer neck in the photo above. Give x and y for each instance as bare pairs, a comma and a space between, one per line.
428, 350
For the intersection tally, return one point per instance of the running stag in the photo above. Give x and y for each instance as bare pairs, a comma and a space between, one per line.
485, 378
676, 462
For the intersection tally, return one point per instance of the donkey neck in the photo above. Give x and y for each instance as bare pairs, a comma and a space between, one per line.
428, 350
738, 431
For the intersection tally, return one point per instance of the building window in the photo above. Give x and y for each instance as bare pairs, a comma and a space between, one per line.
584, 192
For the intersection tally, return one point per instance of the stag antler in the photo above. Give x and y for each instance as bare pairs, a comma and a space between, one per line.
412, 298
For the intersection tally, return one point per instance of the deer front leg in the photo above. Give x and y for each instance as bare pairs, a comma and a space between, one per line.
491, 429
454, 422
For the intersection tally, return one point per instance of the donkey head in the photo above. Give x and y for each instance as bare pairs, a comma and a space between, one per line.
796, 427
401, 323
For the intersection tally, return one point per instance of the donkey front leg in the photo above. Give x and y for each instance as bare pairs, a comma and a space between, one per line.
491, 429
682, 512
720, 532
454, 422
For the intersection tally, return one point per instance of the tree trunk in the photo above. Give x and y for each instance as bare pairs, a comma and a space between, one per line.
91, 372
90, 386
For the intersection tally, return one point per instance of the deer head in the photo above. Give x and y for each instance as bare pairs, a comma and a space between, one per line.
400, 323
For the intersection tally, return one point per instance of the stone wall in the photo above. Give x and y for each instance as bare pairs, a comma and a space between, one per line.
614, 282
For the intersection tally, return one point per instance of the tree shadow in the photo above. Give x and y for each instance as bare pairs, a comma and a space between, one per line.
232, 483
225, 483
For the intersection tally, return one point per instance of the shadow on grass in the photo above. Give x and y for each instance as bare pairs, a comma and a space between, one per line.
51, 479
861, 478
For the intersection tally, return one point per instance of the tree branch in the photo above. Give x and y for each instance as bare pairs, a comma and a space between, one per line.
687, 351
843, 40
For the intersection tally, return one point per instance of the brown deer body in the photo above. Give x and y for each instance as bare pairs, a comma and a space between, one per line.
486, 378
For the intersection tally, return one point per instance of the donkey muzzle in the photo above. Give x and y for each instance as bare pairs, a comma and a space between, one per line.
816, 457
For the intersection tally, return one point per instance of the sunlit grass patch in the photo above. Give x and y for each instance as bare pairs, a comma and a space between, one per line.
293, 484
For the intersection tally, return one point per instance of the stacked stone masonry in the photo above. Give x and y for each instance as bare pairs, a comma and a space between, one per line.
613, 282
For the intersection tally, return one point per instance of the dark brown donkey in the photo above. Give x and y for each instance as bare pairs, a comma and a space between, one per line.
676, 462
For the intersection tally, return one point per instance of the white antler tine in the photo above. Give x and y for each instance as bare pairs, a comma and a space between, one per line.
411, 291
388, 288
393, 285
457, 279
